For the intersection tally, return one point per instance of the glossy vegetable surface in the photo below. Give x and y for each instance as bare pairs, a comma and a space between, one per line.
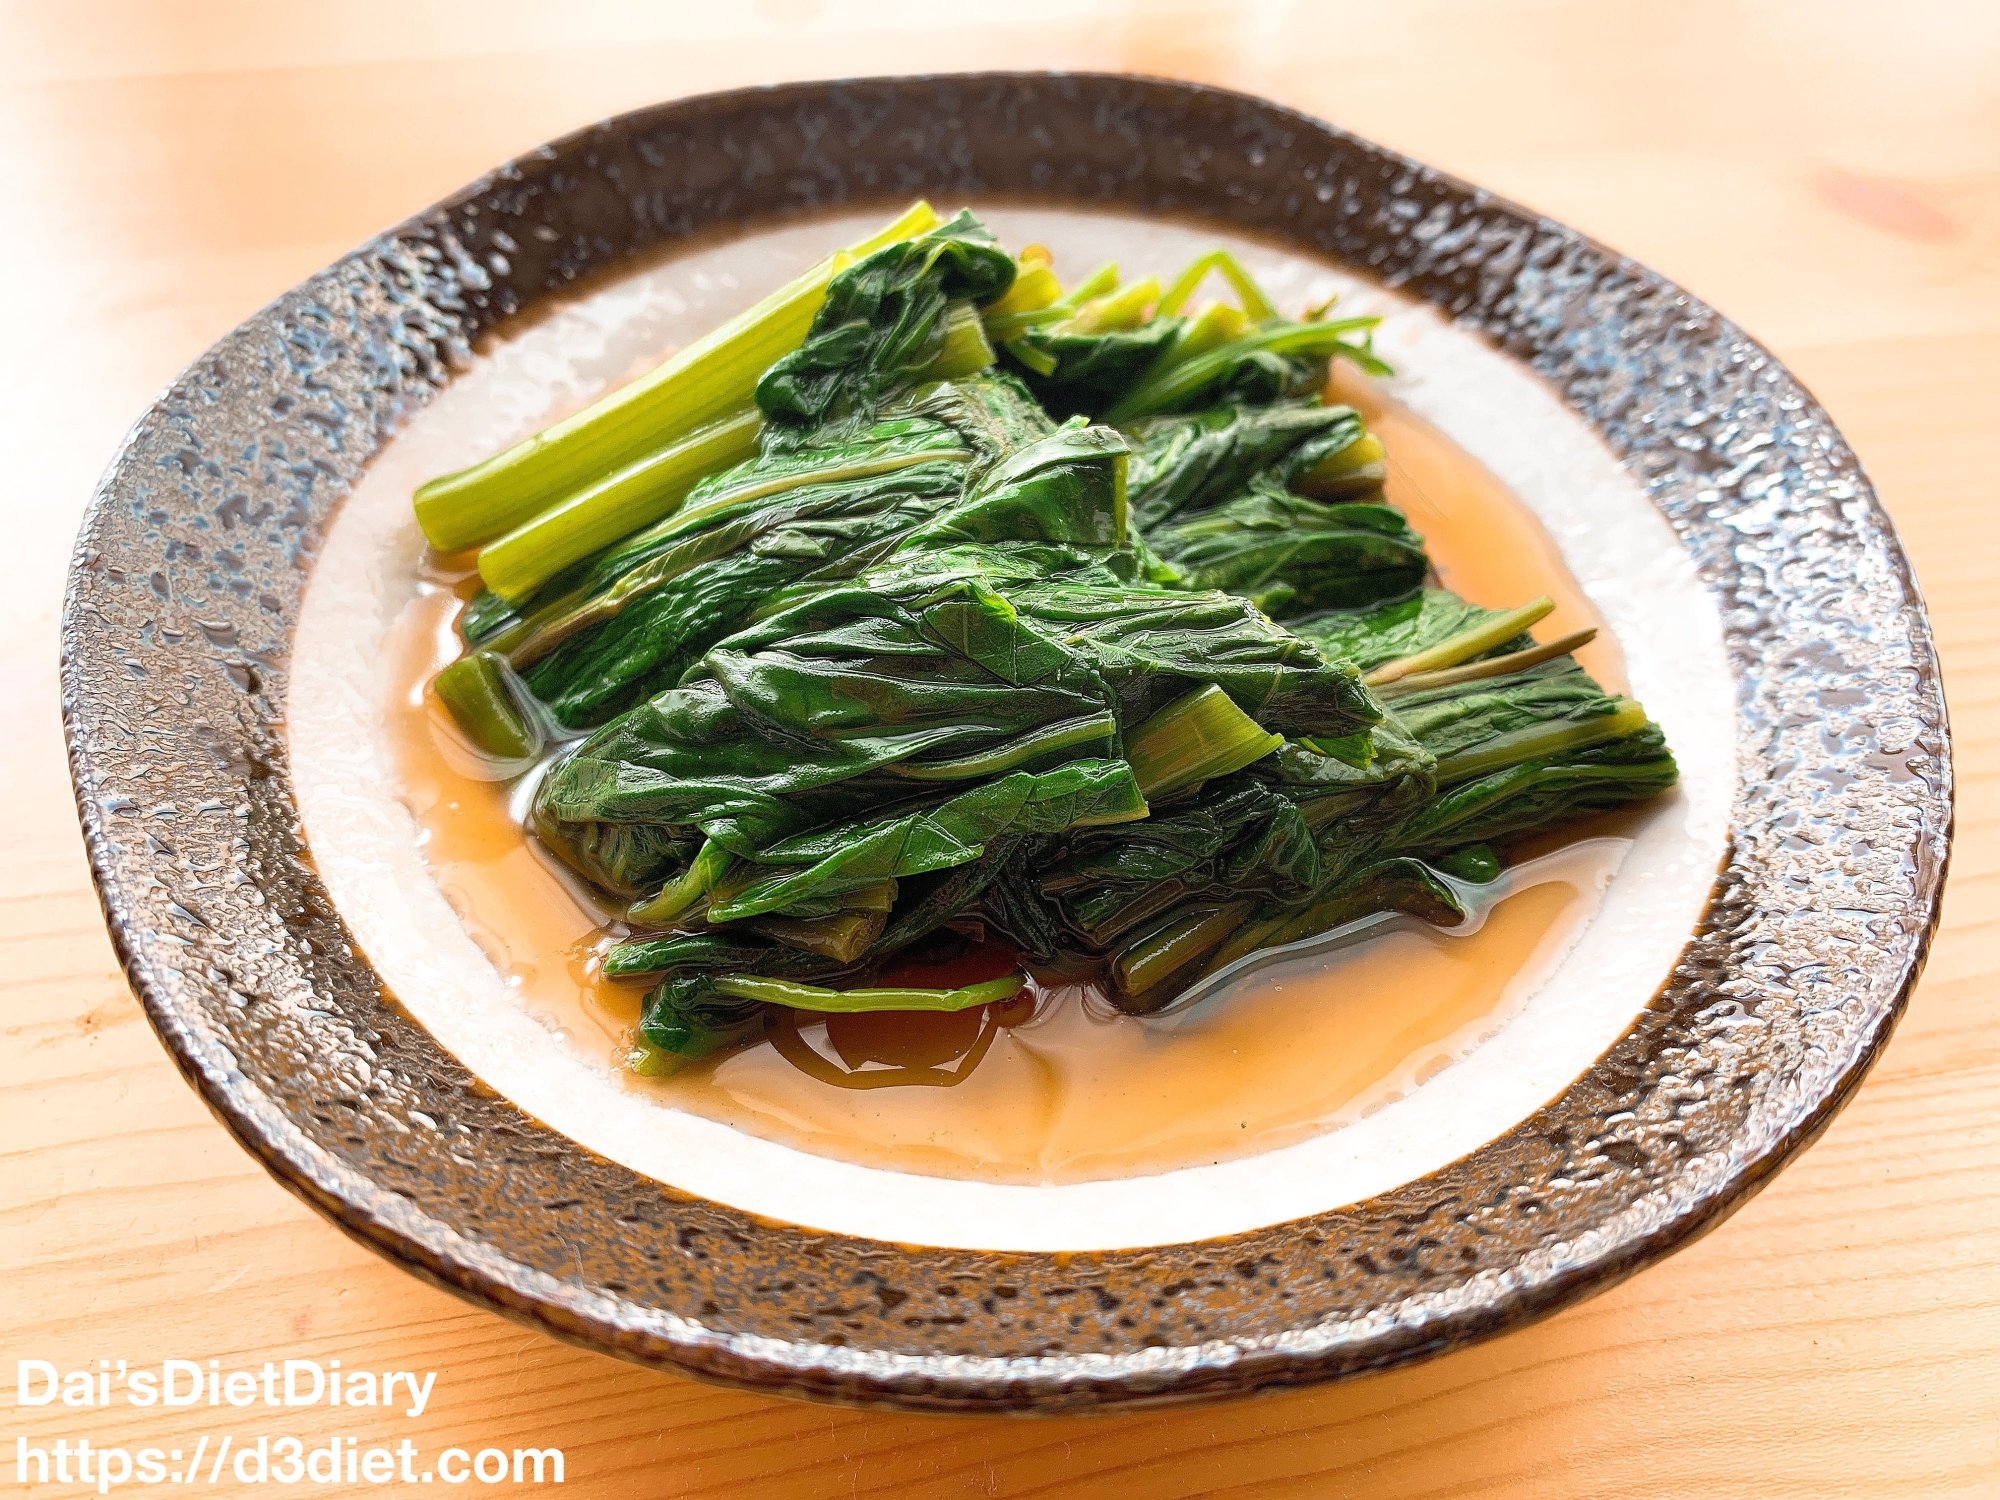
1071, 617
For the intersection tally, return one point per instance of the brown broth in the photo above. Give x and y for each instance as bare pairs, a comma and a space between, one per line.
1064, 1088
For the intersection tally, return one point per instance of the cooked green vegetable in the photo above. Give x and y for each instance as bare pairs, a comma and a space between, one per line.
475, 689
599, 514
894, 725
1213, 493
1531, 742
811, 997
711, 377
1277, 360
930, 592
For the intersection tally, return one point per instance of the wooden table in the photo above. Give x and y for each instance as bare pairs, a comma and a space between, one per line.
1828, 173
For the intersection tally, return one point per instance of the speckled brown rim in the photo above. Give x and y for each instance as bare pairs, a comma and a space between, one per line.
195, 553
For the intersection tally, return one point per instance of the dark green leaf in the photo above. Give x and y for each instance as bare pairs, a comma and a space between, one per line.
883, 323
1296, 556
1197, 462
1092, 370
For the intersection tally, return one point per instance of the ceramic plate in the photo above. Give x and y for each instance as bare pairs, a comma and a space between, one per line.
1745, 967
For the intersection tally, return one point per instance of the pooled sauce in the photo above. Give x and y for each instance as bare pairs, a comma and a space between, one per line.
1054, 1086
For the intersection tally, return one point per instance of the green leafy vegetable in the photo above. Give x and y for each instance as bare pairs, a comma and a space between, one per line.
897, 724
1212, 492
1274, 361
477, 691
1078, 372
711, 377
1529, 742
930, 593
645, 611
883, 324
1187, 464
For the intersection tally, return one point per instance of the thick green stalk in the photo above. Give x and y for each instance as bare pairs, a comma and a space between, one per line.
850, 1002
1010, 326
1539, 741
1195, 737
1041, 363
847, 934
1465, 645
1149, 961
1034, 289
1244, 940
1361, 466
711, 377
1121, 310
677, 896
964, 350
842, 937
615, 506
1099, 282
474, 688
1214, 326
649, 1061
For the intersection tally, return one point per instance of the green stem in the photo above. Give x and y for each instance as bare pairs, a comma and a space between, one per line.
617, 505
649, 1061
1213, 327
881, 896
678, 895
1539, 742
1150, 397
1061, 736
1041, 362
842, 937
475, 690
964, 350
1011, 326
1465, 645
1104, 279
1035, 289
1195, 737
1479, 671
1149, 961
711, 377
1120, 311
1361, 465
849, 1002
1246, 939
1256, 305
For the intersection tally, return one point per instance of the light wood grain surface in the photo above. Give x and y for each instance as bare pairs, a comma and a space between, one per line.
1827, 173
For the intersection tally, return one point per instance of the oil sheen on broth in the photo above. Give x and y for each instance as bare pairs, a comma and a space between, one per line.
1056, 1086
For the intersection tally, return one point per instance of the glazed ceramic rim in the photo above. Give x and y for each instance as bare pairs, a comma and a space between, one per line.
1408, 1273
